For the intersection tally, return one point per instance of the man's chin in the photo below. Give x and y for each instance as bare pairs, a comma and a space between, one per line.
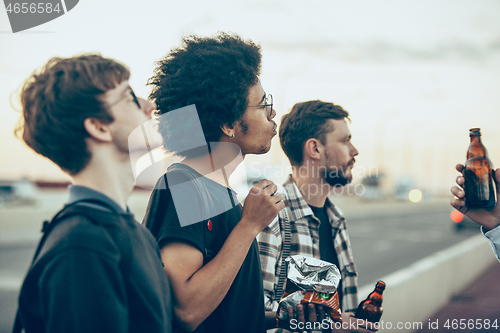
263, 149
338, 181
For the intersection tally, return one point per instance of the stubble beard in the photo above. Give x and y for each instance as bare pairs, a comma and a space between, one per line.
336, 176
264, 149
256, 150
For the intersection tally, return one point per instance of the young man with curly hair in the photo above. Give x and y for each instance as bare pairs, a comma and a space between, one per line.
317, 141
212, 260
96, 268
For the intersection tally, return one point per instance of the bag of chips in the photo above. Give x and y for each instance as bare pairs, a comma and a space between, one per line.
311, 280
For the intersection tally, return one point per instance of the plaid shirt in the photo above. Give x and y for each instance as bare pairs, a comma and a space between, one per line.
304, 227
494, 237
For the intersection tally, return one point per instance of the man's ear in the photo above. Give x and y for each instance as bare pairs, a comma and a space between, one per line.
98, 130
313, 148
228, 130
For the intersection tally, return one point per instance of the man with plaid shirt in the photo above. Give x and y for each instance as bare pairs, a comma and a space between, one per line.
317, 141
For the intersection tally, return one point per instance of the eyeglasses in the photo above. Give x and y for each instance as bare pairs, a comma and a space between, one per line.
268, 103
136, 100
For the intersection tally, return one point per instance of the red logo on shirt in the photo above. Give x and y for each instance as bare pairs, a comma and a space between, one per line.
209, 225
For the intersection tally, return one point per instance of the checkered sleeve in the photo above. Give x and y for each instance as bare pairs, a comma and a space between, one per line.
493, 236
269, 241
349, 272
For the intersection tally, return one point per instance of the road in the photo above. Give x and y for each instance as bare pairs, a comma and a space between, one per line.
384, 241
14, 262
385, 236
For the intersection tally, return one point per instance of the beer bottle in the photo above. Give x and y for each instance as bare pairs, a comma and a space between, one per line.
371, 308
480, 189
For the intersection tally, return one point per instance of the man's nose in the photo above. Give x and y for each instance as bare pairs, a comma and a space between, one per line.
148, 107
273, 114
354, 151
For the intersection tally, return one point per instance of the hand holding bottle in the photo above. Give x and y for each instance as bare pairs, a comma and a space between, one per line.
487, 217
480, 189
371, 308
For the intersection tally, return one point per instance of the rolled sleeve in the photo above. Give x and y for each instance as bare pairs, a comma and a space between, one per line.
493, 236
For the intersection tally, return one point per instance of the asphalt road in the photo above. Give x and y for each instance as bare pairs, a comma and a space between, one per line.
388, 241
385, 236
14, 262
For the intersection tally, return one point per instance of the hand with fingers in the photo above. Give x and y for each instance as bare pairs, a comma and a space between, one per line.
489, 218
262, 205
351, 324
295, 319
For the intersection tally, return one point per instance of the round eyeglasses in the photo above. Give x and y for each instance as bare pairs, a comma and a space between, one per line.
136, 100
268, 103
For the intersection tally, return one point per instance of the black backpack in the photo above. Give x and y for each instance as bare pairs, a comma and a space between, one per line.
94, 215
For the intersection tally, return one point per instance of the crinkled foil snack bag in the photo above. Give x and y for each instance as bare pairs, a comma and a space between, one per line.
311, 280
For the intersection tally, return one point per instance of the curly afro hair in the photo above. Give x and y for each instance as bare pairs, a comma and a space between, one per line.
213, 73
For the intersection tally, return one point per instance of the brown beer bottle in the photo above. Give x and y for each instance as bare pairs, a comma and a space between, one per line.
371, 308
480, 189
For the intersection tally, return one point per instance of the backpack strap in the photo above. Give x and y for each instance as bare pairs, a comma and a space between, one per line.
207, 203
67, 210
75, 208
158, 206
18, 323
286, 244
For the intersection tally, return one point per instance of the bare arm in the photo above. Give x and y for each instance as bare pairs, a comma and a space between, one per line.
199, 289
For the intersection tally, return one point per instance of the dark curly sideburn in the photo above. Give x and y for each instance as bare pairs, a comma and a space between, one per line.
213, 73
307, 120
58, 98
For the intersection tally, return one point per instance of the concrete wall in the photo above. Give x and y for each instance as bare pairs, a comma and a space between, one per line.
414, 294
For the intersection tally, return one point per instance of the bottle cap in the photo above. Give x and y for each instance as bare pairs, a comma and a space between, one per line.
475, 131
381, 285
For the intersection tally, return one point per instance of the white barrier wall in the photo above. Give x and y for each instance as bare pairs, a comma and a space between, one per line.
414, 294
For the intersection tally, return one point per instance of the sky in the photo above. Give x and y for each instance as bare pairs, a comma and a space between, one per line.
415, 76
